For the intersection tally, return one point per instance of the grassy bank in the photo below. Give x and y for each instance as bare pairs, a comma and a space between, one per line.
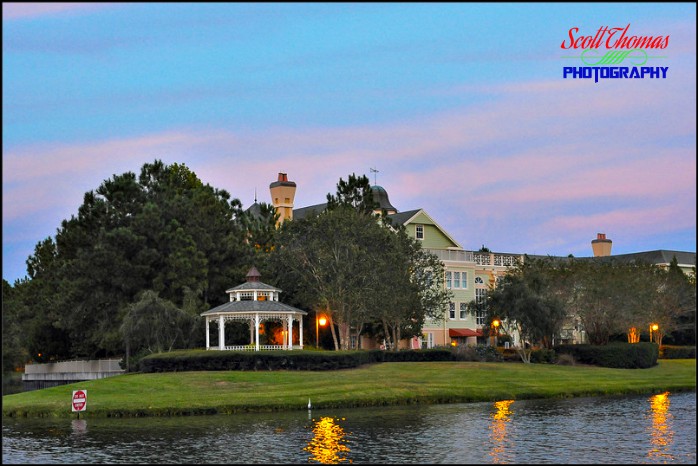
189, 393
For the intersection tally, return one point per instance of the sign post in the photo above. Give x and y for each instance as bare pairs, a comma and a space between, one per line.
79, 401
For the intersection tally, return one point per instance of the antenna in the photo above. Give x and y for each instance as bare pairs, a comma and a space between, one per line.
374, 171
255, 194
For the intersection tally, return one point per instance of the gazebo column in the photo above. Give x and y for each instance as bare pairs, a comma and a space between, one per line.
251, 331
290, 331
300, 335
256, 329
208, 339
221, 333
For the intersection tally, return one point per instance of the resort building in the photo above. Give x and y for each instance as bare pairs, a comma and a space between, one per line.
468, 274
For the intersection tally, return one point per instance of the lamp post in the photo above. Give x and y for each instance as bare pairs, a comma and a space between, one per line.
495, 324
319, 321
653, 328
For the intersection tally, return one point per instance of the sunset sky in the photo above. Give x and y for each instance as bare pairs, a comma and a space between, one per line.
461, 107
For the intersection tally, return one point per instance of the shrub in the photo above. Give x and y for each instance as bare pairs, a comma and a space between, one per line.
543, 355
565, 359
677, 352
618, 354
479, 353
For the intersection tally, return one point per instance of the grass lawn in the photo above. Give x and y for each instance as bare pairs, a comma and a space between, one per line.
212, 392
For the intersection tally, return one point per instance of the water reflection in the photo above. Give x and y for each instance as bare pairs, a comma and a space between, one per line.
661, 434
328, 446
79, 426
594, 430
498, 430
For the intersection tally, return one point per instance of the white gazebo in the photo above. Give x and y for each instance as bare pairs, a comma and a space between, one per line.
254, 302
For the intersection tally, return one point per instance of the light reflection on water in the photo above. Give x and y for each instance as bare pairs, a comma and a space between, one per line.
498, 430
641, 429
661, 433
328, 445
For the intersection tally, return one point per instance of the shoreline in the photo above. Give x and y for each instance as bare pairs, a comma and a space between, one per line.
382, 384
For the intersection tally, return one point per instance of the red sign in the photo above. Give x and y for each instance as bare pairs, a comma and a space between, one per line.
79, 400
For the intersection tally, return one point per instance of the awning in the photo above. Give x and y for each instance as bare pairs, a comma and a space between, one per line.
464, 332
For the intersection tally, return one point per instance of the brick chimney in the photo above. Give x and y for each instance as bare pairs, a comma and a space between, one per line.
601, 246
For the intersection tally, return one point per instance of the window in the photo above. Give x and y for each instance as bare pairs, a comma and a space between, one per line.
463, 311
246, 296
456, 280
480, 298
451, 310
480, 317
427, 340
419, 231
479, 281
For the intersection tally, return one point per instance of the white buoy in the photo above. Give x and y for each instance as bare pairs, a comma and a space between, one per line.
309, 405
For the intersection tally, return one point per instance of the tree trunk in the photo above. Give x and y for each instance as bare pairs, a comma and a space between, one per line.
334, 332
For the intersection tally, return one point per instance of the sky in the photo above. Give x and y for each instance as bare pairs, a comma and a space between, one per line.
462, 108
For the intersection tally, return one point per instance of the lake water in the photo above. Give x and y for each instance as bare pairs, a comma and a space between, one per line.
629, 429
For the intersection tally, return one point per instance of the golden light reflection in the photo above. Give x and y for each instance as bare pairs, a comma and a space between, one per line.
328, 446
661, 435
498, 429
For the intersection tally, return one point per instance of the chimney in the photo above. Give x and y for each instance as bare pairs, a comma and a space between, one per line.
601, 246
282, 194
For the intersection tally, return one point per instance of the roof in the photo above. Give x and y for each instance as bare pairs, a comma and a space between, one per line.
464, 332
380, 197
404, 218
246, 307
249, 286
299, 214
657, 257
255, 210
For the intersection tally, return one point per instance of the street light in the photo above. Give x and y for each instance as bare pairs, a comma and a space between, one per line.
319, 321
495, 324
653, 328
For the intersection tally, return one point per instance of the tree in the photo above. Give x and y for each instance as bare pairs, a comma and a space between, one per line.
525, 301
358, 270
356, 193
674, 305
405, 291
328, 256
163, 230
155, 324
14, 354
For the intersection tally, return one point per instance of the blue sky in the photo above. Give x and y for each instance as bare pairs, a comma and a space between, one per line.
461, 107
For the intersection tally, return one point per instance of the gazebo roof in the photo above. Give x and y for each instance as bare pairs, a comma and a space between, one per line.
250, 286
247, 307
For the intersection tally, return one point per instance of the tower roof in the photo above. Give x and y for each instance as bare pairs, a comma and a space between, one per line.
380, 197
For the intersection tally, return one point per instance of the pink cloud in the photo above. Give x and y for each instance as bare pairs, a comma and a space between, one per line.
12, 10
531, 148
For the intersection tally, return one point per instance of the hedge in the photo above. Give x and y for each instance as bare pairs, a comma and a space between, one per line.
202, 360
677, 352
617, 355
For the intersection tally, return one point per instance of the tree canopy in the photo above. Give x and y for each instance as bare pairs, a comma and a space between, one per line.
164, 231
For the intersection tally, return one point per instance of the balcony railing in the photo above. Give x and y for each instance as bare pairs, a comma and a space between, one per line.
479, 258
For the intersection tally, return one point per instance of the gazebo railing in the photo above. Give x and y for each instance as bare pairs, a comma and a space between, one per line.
252, 347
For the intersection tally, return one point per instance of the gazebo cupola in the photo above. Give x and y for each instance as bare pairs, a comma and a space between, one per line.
253, 289
254, 302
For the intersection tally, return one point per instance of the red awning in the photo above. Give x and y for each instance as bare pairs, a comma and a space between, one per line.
464, 332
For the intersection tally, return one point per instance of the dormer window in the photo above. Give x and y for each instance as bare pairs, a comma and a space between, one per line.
419, 232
